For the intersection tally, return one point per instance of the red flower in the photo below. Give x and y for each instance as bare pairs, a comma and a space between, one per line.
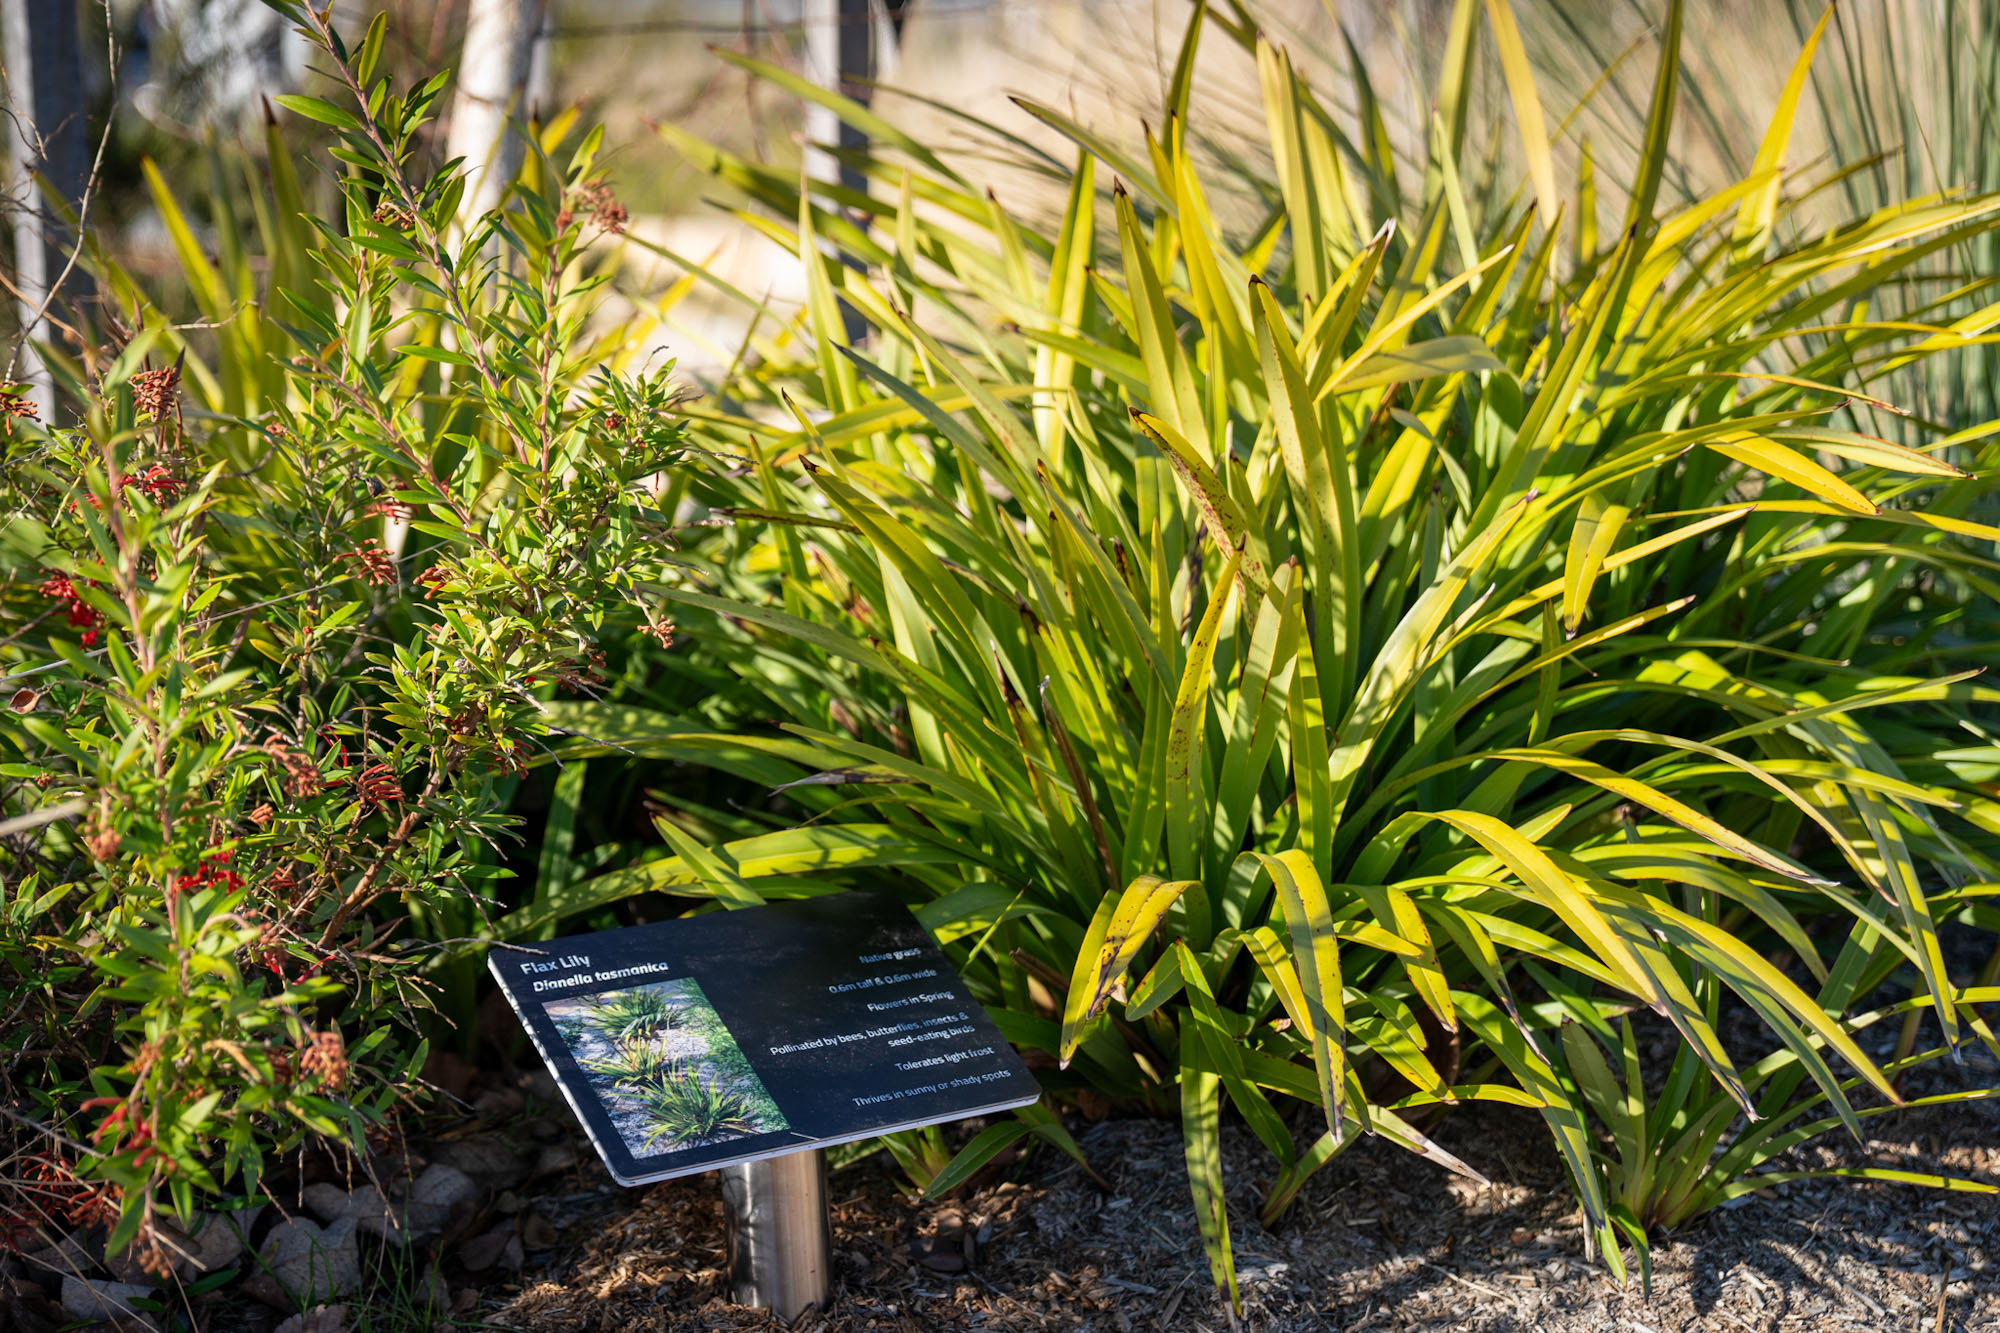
79, 613
14, 402
270, 947
378, 785
372, 564
96, 1206
160, 486
212, 872
302, 779
433, 580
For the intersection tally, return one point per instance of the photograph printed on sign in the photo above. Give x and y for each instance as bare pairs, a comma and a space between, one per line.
665, 1067
727, 1036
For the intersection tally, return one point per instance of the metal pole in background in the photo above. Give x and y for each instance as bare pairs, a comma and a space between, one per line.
780, 1249
48, 139
840, 57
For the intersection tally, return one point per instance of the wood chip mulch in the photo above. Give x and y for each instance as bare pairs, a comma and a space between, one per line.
1378, 1241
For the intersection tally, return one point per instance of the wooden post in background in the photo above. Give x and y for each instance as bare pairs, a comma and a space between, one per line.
48, 143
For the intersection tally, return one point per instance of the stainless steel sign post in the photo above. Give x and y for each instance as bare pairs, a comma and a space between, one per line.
750, 1041
780, 1248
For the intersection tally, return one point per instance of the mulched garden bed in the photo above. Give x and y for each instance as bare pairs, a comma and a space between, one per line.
1380, 1240
533, 1235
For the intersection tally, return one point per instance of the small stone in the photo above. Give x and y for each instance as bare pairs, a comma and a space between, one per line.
944, 1261
481, 1252
319, 1319
69, 1256
313, 1263
217, 1242
124, 1268
24, 1309
431, 1292
441, 1186
365, 1207
486, 1158
84, 1299
537, 1232
263, 1287
432, 1197
555, 1159
327, 1202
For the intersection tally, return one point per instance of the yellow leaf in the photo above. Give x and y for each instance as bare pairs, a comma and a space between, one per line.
1596, 532
1527, 108
1786, 465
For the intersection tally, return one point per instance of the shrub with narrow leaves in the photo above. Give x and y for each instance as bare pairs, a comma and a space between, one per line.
279, 613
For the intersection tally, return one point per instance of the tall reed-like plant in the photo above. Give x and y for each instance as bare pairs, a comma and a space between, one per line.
1898, 104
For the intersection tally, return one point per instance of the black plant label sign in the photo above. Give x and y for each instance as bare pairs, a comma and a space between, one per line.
691, 1044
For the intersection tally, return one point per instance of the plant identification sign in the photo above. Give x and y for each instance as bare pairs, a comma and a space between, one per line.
691, 1044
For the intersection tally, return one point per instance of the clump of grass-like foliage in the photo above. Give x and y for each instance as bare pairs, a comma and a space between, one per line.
635, 1061
685, 1105
1304, 638
634, 1014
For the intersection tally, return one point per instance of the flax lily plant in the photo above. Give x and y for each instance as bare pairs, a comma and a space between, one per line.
1308, 663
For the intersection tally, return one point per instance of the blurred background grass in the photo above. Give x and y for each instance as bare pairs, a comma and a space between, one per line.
194, 72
